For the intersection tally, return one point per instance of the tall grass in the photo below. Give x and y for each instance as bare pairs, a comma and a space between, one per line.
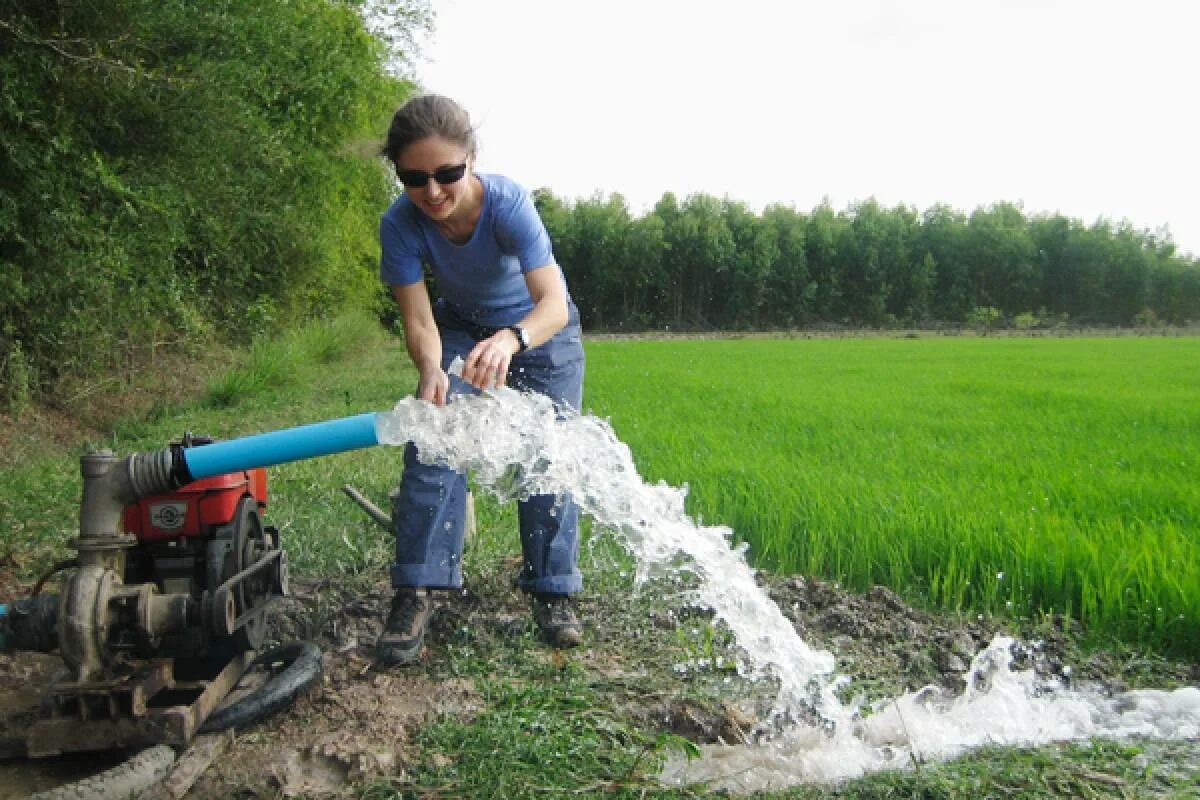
1015, 476
272, 364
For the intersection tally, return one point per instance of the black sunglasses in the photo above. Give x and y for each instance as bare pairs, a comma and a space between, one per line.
416, 179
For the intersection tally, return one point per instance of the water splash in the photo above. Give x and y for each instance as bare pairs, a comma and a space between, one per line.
518, 444
1001, 706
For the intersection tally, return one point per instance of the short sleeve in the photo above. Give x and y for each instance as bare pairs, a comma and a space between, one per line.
400, 262
522, 233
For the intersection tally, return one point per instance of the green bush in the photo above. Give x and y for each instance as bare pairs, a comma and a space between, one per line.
171, 172
985, 318
1025, 321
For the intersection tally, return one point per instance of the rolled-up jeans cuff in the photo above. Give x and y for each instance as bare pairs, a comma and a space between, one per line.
406, 575
553, 584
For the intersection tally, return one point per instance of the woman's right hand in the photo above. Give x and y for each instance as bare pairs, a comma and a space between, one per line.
434, 386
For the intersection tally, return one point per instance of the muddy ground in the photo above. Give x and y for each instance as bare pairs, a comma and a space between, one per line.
360, 721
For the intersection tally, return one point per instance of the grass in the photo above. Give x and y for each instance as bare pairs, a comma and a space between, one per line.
1015, 476
805, 439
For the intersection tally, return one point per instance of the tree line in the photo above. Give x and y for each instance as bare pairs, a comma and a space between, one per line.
708, 263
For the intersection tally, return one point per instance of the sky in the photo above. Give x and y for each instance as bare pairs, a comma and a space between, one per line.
1089, 109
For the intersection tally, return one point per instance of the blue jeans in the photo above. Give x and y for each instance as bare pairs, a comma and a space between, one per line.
430, 508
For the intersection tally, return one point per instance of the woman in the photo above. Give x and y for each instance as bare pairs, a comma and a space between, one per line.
503, 306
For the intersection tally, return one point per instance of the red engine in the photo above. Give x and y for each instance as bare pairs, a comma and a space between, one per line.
197, 508
207, 541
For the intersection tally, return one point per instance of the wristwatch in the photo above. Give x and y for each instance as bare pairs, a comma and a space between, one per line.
522, 337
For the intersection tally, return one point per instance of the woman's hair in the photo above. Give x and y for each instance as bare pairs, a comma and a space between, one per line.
428, 115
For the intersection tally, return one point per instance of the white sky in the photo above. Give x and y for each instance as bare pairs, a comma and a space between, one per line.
1087, 108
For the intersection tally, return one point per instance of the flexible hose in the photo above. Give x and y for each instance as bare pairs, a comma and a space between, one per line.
59, 566
121, 782
302, 670
30, 623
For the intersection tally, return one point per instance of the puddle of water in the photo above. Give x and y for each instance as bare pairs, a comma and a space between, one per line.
517, 444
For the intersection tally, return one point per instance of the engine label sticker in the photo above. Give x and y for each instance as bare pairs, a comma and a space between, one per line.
168, 516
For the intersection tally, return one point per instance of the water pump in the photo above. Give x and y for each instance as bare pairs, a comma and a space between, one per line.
166, 600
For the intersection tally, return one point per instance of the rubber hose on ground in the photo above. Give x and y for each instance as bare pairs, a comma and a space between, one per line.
119, 783
31, 623
303, 660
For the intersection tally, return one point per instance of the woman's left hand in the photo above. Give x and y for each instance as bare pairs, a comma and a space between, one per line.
486, 366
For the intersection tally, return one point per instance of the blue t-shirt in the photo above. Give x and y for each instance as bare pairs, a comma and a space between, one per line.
484, 279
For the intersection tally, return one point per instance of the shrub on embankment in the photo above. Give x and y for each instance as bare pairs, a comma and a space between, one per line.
175, 173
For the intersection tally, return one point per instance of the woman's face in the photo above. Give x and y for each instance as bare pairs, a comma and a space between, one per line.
423, 158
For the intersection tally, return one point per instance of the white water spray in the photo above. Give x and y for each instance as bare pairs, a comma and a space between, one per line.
518, 444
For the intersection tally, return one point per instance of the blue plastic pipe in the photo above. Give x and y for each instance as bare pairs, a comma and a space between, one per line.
281, 447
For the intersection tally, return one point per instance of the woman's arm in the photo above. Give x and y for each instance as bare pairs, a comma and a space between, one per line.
423, 341
549, 314
487, 363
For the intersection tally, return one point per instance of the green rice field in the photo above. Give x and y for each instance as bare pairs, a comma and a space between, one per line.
1017, 476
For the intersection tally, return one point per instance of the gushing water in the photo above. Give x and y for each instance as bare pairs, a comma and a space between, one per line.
518, 444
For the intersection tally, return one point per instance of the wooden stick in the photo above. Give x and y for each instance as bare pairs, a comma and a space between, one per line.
190, 765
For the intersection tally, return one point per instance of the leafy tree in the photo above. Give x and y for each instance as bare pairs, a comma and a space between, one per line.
705, 251
1003, 258
942, 240
697, 250
1052, 236
642, 290
1087, 254
558, 219
907, 275
790, 291
1126, 276
602, 227
743, 291
821, 256
866, 250
919, 290
668, 212
1174, 291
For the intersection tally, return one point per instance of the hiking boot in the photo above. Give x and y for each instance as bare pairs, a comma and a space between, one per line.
404, 631
556, 620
